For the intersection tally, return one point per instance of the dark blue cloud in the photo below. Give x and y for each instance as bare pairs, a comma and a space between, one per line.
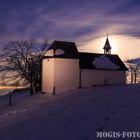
68, 19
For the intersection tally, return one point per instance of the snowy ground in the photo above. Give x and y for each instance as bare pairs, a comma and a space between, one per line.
73, 115
5, 91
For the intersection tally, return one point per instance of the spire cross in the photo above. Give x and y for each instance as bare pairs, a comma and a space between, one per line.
107, 34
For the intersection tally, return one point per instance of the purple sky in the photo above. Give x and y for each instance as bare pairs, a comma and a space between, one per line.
70, 20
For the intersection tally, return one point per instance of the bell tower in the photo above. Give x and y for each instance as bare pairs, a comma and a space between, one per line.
107, 47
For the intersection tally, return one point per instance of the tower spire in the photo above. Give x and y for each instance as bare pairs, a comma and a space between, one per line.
107, 47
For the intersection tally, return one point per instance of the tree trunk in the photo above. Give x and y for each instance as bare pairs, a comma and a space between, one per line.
135, 77
131, 77
32, 88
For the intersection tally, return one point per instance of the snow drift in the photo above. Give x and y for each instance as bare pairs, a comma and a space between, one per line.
104, 62
73, 115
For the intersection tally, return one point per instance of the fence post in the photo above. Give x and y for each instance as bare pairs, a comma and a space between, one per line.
54, 90
80, 77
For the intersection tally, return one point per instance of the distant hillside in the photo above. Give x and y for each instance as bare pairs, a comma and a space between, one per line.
135, 61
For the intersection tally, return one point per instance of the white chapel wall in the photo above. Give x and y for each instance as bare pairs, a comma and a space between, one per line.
66, 74
101, 77
47, 75
63, 74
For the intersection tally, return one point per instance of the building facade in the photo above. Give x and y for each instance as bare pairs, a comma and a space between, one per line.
64, 68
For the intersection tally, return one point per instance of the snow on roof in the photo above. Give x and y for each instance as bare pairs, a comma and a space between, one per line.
104, 62
59, 52
50, 53
64, 49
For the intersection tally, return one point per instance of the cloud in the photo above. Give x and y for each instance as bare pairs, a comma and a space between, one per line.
73, 20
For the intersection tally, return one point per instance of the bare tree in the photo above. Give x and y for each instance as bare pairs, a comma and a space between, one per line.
22, 61
3, 82
134, 69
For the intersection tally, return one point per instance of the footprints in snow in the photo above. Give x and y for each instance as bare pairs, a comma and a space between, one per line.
85, 138
106, 119
101, 128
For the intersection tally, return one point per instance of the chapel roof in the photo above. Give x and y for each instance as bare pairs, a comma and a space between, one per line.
69, 49
96, 61
101, 61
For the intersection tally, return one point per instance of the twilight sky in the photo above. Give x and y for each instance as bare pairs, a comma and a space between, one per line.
84, 21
